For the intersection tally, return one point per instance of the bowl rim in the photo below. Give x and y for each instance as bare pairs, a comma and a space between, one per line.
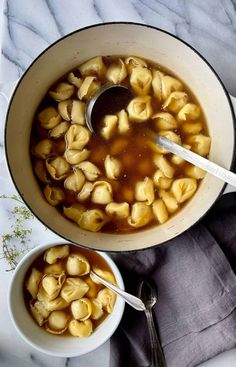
119, 311
233, 159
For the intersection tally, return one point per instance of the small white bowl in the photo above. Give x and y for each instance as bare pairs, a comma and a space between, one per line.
59, 346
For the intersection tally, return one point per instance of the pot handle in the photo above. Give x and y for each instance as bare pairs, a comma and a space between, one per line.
228, 187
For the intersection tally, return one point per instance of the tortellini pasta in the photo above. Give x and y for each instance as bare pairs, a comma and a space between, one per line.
184, 188
52, 284
107, 299
123, 122
161, 181
102, 193
88, 87
92, 220
164, 121
189, 112
81, 328
200, 144
54, 195
169, 200
43, 149
159, 210
54, 253
63, 297
134, 61
62, 91
81, 309
117, 179
109, 126
119, 210
77, 137
58, 168
74, 288
140, 109
49, 118
175, 101
112, 167
77, 264
144, 191
90, 171
32, 283
141, 215
72, 110
74, 211
40, 171
140, 80
162, 163
117, 72
94, 66
59, 130
57, 322
74, 156
163, 85
75, 181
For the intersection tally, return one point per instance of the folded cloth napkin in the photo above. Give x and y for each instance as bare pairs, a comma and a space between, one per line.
196, 307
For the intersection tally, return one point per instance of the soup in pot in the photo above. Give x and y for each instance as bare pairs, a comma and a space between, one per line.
118, 180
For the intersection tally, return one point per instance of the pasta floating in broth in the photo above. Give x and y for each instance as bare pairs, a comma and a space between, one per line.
117, 180
62, 297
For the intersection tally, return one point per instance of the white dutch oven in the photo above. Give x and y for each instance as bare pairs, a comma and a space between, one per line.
119, 39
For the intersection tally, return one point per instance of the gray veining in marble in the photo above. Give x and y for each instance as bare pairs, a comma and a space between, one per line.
29, 26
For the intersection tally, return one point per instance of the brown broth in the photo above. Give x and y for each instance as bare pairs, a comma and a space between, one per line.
95, 260
131, 149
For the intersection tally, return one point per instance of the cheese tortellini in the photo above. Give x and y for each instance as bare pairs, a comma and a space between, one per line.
62, 295
117, 179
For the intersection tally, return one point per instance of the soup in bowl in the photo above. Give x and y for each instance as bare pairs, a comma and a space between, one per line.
146, 191
57, 307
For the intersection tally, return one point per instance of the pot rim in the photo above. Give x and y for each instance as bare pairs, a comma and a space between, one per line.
233, 159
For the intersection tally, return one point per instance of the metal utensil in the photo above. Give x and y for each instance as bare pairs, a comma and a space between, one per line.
109, 99
197, 160
148, 293
129, 298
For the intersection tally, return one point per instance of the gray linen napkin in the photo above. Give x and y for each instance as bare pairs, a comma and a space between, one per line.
196, 294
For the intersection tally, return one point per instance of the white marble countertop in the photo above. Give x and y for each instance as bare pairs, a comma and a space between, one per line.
29, 26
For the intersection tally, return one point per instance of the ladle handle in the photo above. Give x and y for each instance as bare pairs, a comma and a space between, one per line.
197, 160
158, 359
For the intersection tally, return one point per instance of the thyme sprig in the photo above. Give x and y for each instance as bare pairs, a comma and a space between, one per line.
16, 243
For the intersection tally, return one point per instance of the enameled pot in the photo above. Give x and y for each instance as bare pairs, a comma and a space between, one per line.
119, 39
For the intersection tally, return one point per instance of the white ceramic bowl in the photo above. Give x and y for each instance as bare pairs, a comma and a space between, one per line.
59, 346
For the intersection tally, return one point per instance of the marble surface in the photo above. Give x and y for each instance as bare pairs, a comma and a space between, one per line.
29, 26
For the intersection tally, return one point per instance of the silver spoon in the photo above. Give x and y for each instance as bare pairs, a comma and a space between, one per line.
148, 293
129, 298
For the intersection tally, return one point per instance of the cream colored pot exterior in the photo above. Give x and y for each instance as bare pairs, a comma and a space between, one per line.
119, 39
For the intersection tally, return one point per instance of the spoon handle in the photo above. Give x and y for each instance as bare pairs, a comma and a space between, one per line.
133, 301
197, 160
158, 359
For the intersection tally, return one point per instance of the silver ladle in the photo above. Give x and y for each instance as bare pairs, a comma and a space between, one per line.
111, 98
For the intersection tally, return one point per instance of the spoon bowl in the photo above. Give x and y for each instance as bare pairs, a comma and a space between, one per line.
109, 99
